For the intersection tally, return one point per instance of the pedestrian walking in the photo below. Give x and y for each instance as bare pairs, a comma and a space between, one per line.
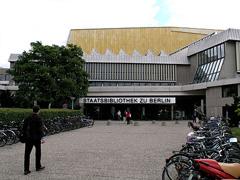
33, 132
119, 115
128, 116
124, 116
194, 115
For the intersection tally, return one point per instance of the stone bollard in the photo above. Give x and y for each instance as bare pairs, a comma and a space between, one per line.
176, 122
108, 122
163, 123
153, 122
136, 123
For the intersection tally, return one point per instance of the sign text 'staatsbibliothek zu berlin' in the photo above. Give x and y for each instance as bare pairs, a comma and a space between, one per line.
128, 100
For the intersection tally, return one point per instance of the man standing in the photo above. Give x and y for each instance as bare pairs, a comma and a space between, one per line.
33, 131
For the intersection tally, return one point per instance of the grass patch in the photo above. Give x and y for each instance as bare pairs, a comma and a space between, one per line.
236, 132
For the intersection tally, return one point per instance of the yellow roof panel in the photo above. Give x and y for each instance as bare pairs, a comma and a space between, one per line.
142, 39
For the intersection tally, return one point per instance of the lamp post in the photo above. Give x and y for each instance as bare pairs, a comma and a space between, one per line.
72, 98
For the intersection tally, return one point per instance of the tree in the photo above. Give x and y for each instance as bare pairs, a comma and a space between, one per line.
234, 111
50, 74
238, 109
6, 99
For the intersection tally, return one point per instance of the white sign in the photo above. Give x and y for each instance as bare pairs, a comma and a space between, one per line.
128, 100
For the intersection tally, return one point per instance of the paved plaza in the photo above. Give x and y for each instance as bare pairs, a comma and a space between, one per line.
115, 152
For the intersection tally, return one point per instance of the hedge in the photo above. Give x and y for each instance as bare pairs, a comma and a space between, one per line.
18, 115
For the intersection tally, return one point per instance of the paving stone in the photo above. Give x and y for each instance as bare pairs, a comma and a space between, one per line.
116, 152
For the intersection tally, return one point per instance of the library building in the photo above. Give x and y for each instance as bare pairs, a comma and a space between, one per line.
158, 73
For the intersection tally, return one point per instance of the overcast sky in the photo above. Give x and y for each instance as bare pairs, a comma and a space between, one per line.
49, 21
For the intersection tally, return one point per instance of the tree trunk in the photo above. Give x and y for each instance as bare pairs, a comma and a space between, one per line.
49, 105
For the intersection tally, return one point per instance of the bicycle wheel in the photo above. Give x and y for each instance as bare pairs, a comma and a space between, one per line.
17, 133
3, 139
177, 170
11, 137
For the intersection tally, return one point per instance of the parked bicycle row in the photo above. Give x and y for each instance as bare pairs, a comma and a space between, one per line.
211, 152
61, 124
9, 132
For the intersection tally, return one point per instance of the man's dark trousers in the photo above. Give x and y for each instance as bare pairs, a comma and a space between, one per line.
28, 148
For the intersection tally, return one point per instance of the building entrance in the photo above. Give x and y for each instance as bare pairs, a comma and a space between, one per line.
139, 112
141, 108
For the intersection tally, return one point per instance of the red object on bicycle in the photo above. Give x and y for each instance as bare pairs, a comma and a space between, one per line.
212, 168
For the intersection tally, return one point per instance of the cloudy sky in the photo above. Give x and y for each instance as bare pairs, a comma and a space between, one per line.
49, 21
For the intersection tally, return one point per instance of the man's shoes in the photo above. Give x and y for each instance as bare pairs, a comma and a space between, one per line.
40, 168
27, 172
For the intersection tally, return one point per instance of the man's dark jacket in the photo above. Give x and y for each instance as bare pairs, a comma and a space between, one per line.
33, 127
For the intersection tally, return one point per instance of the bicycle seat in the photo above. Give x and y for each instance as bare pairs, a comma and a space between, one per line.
231, 168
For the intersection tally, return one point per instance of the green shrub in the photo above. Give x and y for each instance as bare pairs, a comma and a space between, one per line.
236, 131
18, 115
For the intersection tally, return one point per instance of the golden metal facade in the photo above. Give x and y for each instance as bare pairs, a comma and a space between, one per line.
156, 39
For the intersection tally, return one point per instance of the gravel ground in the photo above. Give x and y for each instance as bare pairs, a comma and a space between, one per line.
114, 152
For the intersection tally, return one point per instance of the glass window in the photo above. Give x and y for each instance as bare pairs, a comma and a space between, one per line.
230, 90
215, 53
203, 68
205, 57
209, 68
136, 84
214, 77
209, 64
220, 65
217, 63
222, 50
213, 67
219, 51
210, 77
211, 54
206, 67
201, 73
195, 76
198, 75
200, 59
203, 78
217, 75
197, 72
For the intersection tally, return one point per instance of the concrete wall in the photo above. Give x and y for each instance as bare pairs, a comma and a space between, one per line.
229, 65
185, 73
193, 68
123, 91
183, 77
215, 102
